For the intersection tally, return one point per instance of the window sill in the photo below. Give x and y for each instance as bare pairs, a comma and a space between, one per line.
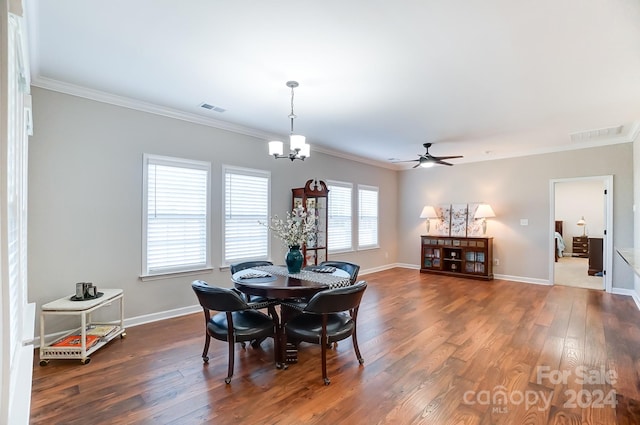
170, 275
341, 251
367, 248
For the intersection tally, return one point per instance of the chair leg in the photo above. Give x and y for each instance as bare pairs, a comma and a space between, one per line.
355, 347
231, 359
324, 343
207, 340
325, 378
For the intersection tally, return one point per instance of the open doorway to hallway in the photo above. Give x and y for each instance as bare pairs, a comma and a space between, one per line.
579, 210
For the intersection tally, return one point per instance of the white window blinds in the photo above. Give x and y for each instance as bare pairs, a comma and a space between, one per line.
16, 354
246, 204
367, 216
176, 215
339, 227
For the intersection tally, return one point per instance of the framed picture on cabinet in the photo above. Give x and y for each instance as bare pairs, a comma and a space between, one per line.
474, 227
458, 220
443, 226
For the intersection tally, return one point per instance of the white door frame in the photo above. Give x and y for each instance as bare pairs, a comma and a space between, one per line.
607, 245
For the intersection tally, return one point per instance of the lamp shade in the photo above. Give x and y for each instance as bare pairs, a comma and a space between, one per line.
296, 142
581, 222
305, 151
484, 211
275, 147
428, 212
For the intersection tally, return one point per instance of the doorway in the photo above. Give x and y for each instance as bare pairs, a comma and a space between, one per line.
581, 213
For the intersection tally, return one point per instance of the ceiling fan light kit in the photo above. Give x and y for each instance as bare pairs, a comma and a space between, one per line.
298, 147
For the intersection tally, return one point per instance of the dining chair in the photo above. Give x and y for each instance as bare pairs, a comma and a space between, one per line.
235, 321
253, 300
350, 268
330, 316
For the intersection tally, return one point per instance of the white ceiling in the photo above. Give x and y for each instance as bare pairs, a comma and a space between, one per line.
378, 78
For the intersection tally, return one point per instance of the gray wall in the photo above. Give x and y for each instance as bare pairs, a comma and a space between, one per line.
518, 188
85, 197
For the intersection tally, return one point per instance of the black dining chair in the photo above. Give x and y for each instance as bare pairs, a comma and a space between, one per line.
235, 321
350, 268
256, 301
330, 316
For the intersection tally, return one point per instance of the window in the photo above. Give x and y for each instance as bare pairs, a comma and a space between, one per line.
246, 205
367, 216
176, 211
339, 227
17, 316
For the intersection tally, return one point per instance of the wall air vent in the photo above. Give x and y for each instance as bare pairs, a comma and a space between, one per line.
212, 107
595, 135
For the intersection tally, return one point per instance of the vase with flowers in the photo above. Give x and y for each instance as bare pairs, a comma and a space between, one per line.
293, 231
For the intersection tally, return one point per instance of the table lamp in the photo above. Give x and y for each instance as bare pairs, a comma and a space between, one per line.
483, 212
428, 212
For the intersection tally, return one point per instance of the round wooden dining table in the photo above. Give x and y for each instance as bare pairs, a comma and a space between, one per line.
274, 282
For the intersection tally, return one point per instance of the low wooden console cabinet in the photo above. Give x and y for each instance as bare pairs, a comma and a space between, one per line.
462, 257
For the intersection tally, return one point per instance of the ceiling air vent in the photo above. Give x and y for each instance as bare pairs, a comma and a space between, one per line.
212, 107
599, 134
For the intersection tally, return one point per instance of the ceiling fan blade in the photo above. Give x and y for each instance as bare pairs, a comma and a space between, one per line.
447, 157
409, 160
443, 163
416, 166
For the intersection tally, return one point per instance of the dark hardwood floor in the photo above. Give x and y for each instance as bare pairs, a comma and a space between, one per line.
437, 350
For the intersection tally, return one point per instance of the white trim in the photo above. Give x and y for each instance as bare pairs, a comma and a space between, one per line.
255, 172
138, 105
148, 159
344, 185
607, 247
134, 321
521, 279
629, 293
360, 188
178, 312
171, 275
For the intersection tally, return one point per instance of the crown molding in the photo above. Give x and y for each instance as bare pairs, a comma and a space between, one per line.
138, 105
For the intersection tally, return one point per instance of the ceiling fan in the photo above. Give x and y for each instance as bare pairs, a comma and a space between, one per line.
427, 160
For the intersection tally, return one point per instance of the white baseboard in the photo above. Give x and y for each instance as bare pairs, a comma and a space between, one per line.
135, 321
628, 292
154, 317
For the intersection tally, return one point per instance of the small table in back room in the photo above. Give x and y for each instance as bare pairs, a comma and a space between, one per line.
281, 285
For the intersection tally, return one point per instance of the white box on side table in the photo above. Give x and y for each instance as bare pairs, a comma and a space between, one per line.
64, 306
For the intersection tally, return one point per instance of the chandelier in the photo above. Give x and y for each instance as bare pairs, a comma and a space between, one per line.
298, 148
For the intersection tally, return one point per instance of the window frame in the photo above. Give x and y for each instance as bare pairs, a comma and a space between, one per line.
152, 159
349, 186
369, 188
248, 172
